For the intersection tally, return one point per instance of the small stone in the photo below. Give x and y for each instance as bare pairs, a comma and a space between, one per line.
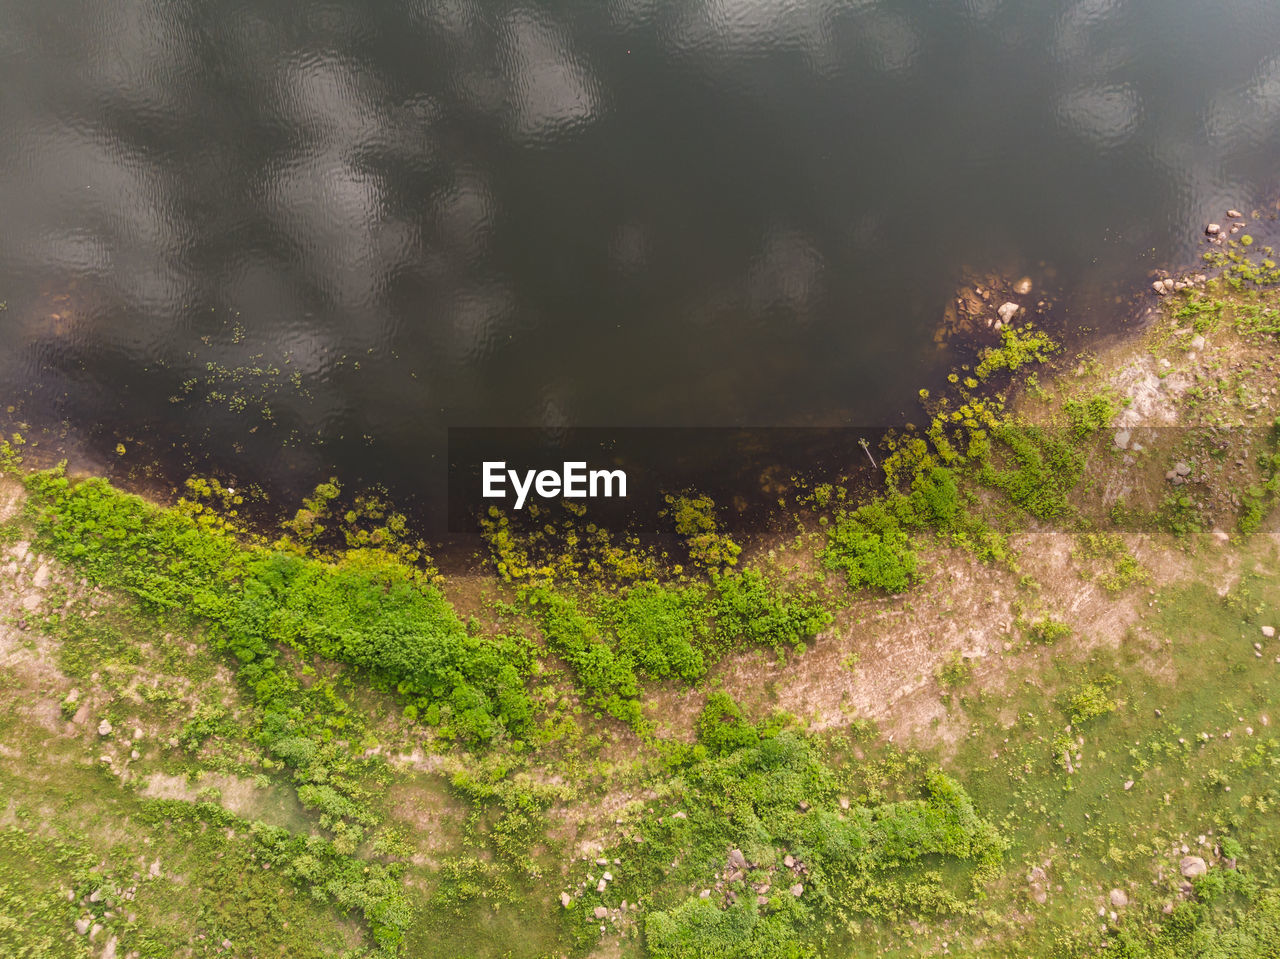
602, 862
1039, 894
762, 900
1269, 632
1197, 343
600, 886
104, 728
1182, 468
1128, 784
1023, 286
608, 877
705, 894
797, 890
737, 860
1213, 229
82, 926
601, 912
789, 861
680, 815
1119, 898
1192, 866
1234, 214
226, 943
1008, 311
1221, 535
1158, 286
1122, 439
565, 899
1036, 874
134, 754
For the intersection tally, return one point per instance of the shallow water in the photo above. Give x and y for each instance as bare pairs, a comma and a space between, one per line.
280, 240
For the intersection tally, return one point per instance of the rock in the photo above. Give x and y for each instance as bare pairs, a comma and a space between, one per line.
789, 861
1192, 866
602, 862
1269, 632
41, 577
680, 815
1158, 286
1197, 343
762, 900
1119, 898
608, 877
109, 950
1181, 468
226, 943
154, 870
1008, 311
1023, 286
797, 890
844, 802
705, 894
134, 754
601, 912
1213, 229
1122, 439
82, 926
565, 899
1039, 894
1234, 214
601, 885
737, 860
104, 728
1128, 784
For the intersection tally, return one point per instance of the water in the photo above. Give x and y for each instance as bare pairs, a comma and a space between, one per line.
283, 240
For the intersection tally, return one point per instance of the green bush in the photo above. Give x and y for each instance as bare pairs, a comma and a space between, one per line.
751, 610
660, 628
721, 726
872, 549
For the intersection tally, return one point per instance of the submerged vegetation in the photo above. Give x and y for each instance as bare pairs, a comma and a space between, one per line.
894, 728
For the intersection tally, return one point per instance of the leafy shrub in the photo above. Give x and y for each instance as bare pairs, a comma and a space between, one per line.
1047, 631
721, 726
1088, 416
1045, 469
607, 675
872, 549
1089, 701
659, 627
750, 609
368, 608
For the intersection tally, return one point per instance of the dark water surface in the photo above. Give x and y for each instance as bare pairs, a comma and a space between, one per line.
284, 239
